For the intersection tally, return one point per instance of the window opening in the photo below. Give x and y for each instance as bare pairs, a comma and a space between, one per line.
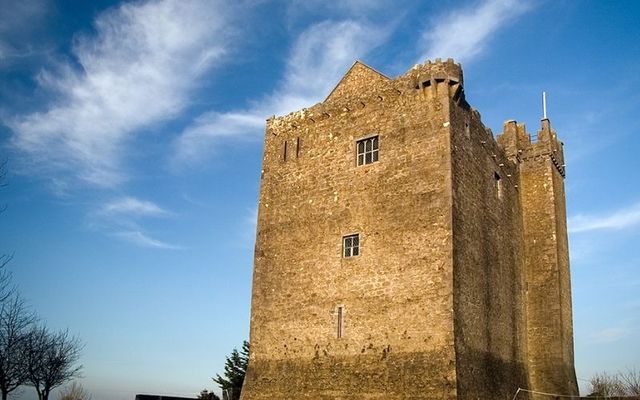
284, 152
297, 147
367, 150
340, 321
498, 184
351, 245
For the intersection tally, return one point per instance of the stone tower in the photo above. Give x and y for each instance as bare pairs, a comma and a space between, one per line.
549, 327
403, 253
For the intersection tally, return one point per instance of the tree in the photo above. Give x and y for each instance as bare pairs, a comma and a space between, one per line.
622, 384
15, 321
74, 392
206, 395
234, 370
630, 380
6, 288
605, 385
51, 359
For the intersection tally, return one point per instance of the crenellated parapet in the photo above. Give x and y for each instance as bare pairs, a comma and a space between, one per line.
404, 251
519, 146
441, 77
430, 72
362, 86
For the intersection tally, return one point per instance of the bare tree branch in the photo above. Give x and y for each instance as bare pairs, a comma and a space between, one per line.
3, 180
74, 392
6, 287
15, 320
51, 359
631, 381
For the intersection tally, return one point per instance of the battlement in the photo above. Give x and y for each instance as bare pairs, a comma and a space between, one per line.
403, 251
431, 72
362, 85
520, 146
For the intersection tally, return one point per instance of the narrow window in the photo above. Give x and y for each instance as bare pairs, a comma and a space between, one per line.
498, 184
467, 130
297, 147
351, 245
284, 152
340, 321
367, 150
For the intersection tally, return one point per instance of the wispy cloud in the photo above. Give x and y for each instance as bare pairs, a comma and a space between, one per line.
133, 206
138, 69
143, 240
249, 224
463, 34
609, 335
19, 20
124, 217
619, 219
356, 7
320, 55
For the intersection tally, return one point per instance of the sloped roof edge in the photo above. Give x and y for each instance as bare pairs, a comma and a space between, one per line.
356, 62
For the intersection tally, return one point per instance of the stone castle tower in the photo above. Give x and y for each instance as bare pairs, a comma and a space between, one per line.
403, 253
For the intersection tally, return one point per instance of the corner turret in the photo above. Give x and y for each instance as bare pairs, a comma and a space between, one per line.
440, 77
541, 167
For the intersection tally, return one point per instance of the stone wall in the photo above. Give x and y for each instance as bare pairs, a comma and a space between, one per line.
397, 293
461, 287
488, 275
550, 326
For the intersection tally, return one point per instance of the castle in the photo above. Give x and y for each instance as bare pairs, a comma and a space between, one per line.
404, 253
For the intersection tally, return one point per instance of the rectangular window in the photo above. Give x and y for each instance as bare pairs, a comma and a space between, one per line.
284, 151
351, 245
498, 185
367, 150
339, 322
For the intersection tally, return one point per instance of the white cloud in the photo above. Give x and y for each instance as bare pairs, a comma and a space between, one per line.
250, 223
19, 20
463, 34
619, 219
132, 206
351, 6
121, 218
137, 70
609, 335
143, 240
320, 55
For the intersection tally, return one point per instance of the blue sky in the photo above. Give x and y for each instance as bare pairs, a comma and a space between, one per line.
133, 134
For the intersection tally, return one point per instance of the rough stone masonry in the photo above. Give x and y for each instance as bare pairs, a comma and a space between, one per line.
404, 253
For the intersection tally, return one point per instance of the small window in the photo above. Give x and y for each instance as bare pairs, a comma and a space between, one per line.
340, 321
367, 150
498, 185
351, 245
284, 151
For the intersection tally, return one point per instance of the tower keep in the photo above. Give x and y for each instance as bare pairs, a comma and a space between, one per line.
404, 253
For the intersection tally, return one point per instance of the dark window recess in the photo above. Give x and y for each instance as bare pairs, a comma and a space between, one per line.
367, 150
498, 184
340, 321
298, 142
351, 245
284, 151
